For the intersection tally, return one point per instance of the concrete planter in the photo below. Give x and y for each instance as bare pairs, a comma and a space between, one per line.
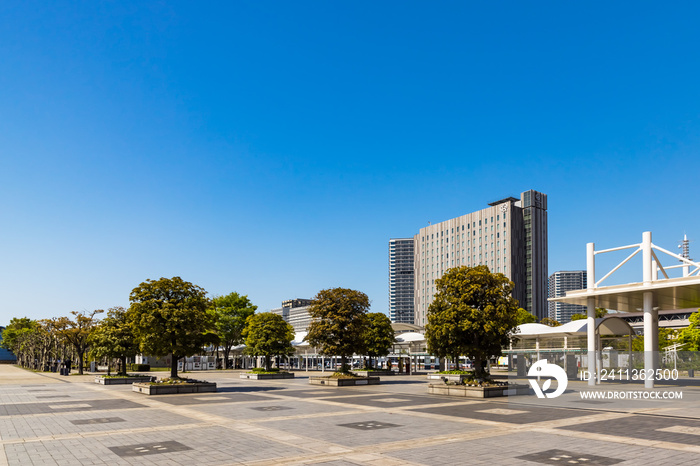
331, 382
122, 380
478, 392
373, 373
173, 389
278, 375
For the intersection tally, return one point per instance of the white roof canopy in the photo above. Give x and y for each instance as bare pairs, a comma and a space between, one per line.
672, 293
605, 326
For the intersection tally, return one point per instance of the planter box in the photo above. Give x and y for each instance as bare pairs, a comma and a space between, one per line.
373, 373
173, 389
279, 375
123, 380
330, 382
478, 392
456, 378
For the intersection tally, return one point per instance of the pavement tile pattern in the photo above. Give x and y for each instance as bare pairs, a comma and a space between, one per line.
562, 457
46, 419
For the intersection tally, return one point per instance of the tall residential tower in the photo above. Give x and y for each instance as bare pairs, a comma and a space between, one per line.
401, 283
559, 284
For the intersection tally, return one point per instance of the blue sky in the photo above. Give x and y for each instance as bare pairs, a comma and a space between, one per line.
273, 148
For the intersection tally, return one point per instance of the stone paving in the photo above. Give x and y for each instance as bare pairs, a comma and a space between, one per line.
46, 419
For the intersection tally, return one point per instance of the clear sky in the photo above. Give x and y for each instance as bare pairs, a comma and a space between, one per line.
273, 148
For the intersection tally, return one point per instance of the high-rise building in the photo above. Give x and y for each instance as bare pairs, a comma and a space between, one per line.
559, 284
296, 313
401, 283
509, 236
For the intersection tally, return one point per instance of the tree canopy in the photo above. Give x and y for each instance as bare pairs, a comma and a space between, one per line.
599, 313
550, 322
339, 323
114, 338
16, 327
379, 335
77, 332
170, 317
267, 334
691, 334
230, 313
472, 314
524, 317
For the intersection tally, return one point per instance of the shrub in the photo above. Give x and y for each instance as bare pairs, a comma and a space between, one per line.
262, 370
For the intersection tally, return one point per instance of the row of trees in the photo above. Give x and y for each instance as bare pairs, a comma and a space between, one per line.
39, 343
341, 326
172, 317
166, 317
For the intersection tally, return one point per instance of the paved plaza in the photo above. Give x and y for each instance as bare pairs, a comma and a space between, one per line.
46, 419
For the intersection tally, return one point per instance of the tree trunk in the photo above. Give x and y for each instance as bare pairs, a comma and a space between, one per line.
479, 363
343, 363
123, 368
80, 365
173, 366
268, 363
227, 352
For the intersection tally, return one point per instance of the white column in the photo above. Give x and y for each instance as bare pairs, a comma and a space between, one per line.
649, 330
599, 355
648, 299
590, 325
647, 258
590, 321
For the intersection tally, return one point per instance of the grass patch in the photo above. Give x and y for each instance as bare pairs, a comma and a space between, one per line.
261, 370
456, 372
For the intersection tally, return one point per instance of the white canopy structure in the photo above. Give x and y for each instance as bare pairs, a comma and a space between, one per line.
648, 295
605, 326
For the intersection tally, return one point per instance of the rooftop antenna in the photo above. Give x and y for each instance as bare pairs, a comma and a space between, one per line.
684, 246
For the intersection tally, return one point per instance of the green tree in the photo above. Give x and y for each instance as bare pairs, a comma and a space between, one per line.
379, 336
230, 313
169, 317
550, 322
267, 334
524, 317
77, 332
691, 334
114, 338
14, 329
339, 323
667, 337
600, 312
19, 337
472, 314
